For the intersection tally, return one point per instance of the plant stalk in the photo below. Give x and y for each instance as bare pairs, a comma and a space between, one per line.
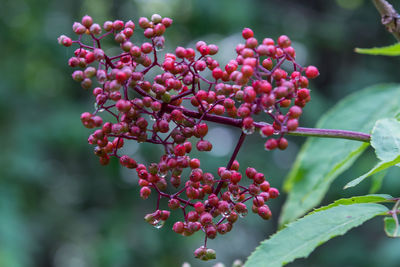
300, 131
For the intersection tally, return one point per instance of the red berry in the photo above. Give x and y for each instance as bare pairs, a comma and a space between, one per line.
194, 163
128, 162
232, 217
166, 22
217, 73
200, 130
240, 208
264, 186
247, 33
205, 218
222, 228
264, 212
149, 33
204, 50
271, 144
192, 216
258, 201
312, 72
292, 124
211, 231
295, 112
259, 178
251, 42
273, 192
87, 21
247, 71
165, 215
267, 63
282, 143
236, 177
235, 165
180, 150
199, 207
248, 122
203, 145
267, 130
173, 203
118, 25
303, 93
284, 41
213, 49
145, 192
251, 172
178, 227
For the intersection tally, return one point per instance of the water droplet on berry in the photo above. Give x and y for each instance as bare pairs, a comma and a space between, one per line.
159, 47
101, 78
242, 214
158, 224
152, 118
269, 110
249, 130
162, 174
96, 107
226, 213
159, 43
234, 198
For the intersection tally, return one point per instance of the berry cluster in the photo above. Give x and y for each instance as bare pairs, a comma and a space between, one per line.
157, 111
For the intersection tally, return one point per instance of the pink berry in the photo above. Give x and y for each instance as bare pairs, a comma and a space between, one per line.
247, 33
311, 72
271, 144
284, 41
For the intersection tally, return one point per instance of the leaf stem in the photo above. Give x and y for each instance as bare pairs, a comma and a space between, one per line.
394, 215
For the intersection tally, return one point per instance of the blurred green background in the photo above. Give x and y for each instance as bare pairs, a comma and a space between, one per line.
59, 207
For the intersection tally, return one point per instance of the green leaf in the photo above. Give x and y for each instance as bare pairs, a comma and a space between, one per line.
390, 227
376, 181
392, 50
379, 167
356, 200
301, 237
385, 139
321, 160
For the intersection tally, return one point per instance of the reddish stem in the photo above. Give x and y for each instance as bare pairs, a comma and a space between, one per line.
300, 131
233, 157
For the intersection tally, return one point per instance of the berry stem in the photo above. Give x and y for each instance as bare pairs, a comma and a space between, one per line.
233, 157
300, 131
330, 133
236, 151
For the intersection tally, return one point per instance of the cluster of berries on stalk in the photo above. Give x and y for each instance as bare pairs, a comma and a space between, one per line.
173, 108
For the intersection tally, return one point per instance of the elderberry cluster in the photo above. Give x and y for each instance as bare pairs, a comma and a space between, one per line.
173, 108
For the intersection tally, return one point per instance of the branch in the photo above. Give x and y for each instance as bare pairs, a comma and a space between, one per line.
328, 133
300, 131
390, 17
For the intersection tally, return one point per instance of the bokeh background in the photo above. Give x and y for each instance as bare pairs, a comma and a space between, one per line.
59, 207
